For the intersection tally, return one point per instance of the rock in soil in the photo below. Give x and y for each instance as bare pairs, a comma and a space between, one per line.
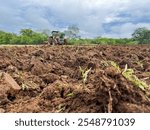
13, 84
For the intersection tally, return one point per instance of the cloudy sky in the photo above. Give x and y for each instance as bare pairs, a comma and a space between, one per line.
107, 18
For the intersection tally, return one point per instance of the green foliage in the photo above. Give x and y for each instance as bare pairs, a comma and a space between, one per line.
80, 41
5, 37
84, 73
15, 40
70, 95
103, 41
26, 36
142, 35
26, 32
129, 75
116, 66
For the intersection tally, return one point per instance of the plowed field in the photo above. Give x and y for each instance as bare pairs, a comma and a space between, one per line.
73, 79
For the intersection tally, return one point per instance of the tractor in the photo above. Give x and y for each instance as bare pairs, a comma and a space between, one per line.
56, 38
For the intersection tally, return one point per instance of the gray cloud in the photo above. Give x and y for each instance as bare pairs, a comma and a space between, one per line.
113, 18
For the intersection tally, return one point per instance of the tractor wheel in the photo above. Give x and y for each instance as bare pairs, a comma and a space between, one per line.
50, 40
65, 42
54, 41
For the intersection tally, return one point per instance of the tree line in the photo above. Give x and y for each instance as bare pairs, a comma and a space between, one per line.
28, 36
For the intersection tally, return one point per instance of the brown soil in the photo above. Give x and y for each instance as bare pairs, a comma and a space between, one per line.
50, 79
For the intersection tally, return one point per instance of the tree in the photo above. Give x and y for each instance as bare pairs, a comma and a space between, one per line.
26, 32
38, 38
5, 37
72, 32
142, 35
27, 36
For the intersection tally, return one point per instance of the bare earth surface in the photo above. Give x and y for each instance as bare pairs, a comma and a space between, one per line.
48, 79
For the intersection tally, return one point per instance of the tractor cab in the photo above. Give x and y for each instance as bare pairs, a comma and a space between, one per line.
57, 38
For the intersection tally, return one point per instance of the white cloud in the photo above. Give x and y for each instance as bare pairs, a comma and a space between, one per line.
125, 30
116, 18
